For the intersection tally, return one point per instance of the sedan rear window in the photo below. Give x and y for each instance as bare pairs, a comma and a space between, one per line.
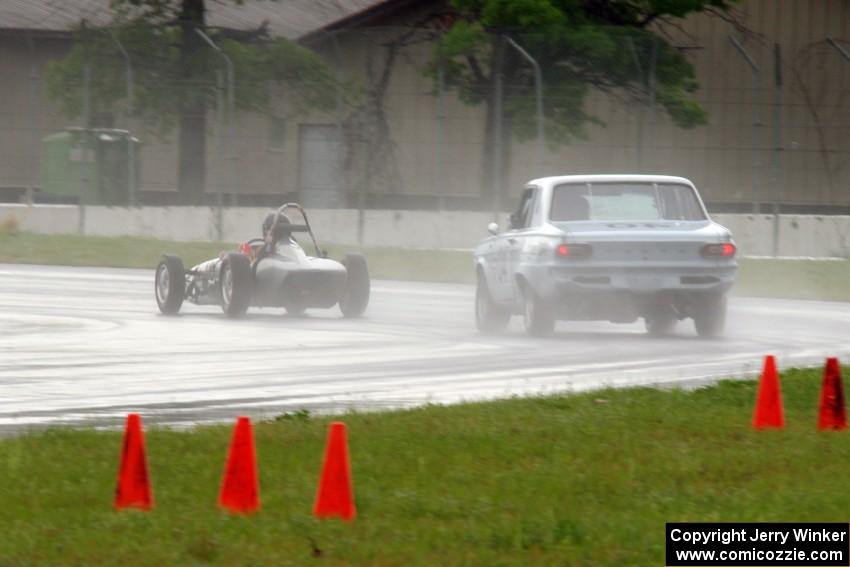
624, 202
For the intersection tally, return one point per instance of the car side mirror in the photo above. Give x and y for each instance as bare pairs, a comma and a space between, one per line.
493, 228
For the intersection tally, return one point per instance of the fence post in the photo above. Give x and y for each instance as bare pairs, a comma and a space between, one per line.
131, 166
441, 134
639, 129
538, 93
777, 143
34, 142
220, 135
846, 57
756, 122
370, 143
231, 78
497, 128
339, 114
651, 86
84, 144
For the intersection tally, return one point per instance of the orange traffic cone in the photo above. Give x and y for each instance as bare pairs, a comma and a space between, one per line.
768, 412
833, 413
335, 496
240, 490
134, 488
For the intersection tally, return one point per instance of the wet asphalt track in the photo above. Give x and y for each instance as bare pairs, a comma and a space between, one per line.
86, 346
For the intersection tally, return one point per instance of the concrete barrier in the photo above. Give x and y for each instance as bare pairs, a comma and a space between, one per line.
799, 235
168, 223
813, 236
42, 219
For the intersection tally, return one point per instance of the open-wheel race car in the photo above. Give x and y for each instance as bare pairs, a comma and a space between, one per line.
273, 271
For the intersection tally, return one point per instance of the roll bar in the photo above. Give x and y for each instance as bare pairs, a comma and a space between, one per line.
280, 210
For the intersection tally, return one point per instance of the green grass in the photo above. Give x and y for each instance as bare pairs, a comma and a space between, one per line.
800, 279
581, 480
135, 252
119, 252
803, 279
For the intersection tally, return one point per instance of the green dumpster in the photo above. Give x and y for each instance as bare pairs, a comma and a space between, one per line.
91, 166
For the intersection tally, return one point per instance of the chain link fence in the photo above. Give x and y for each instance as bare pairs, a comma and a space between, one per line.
406, 123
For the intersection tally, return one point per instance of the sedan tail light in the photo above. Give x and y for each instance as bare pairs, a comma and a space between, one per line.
724, 250
573, 250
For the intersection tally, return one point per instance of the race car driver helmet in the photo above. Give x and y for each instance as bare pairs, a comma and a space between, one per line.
280, 230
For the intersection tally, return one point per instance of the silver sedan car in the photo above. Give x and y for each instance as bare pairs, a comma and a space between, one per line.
606, 247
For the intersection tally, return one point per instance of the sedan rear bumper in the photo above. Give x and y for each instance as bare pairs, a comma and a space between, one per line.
554, 282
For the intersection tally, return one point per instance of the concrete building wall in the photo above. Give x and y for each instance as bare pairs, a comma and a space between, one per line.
26, 114
434, 146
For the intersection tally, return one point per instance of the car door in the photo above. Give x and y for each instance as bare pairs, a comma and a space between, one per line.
491, 262
510, 246
519, 244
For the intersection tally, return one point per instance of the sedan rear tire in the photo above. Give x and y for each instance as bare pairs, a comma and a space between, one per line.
710, 316
661, 320
537, 314
295, 309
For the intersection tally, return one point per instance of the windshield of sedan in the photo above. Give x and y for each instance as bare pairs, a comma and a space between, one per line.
624, 202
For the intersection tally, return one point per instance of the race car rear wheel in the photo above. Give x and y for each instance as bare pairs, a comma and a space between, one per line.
710, 316
357, 286
170, 284
489, 316
236, 284
537, 315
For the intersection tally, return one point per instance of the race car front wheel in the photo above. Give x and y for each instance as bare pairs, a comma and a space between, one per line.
236, 284
170, 284
356, 296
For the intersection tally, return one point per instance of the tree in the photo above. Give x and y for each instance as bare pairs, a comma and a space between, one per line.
176, 74
616, 46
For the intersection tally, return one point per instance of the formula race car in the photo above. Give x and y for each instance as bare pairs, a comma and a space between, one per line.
273, 271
